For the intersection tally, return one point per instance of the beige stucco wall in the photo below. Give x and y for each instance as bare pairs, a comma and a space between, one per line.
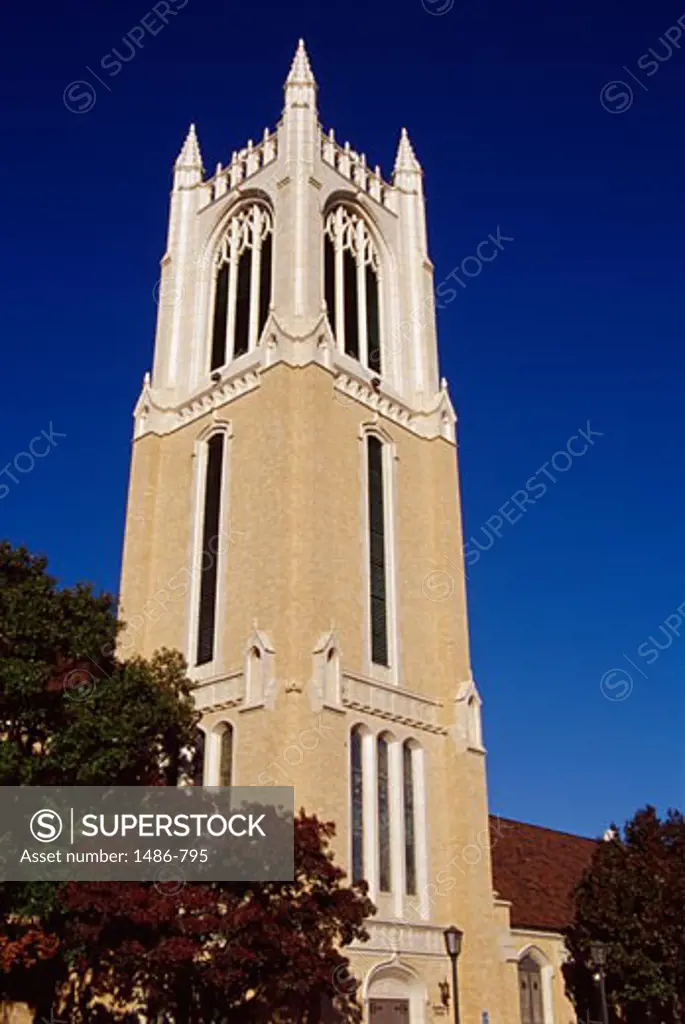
296, 568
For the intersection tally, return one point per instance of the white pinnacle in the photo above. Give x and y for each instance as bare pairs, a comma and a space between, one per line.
406, 157
190, 155
300, 69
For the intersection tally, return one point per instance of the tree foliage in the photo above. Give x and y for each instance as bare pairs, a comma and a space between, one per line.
632, 899
72, 713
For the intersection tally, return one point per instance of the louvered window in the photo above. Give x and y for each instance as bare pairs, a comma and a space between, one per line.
209, 559
377, 553
242, 288
351, 286
357, 804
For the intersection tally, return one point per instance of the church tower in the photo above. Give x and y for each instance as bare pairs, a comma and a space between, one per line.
294, 529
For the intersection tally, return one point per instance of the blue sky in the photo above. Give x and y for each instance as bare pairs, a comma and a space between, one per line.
579, 319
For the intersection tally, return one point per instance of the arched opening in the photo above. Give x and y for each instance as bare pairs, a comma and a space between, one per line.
242, 284
394, 994
352, 286
409, 807
226, 754
530, 991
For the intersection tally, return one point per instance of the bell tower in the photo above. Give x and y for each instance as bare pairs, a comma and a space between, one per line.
294, 529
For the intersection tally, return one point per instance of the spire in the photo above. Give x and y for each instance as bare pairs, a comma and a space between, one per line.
300, 69
188, 168
406, 157
190, 155
300, 86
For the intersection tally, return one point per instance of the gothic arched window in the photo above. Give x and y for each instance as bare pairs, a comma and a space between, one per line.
408, 797
209, 556
351, 286
357, 803
226, 755
242, 284
377, 552
383, 771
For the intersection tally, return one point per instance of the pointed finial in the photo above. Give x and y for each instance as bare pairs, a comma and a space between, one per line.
300, 69
190, 155
406, 157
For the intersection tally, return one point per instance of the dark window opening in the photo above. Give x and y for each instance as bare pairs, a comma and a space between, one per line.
373, 330
351, 305
357, 802
264, 285
220, 312
226, 762
209, 569
377, 571
242, 305
329, 280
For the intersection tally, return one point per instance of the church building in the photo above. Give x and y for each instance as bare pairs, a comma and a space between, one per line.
294, 529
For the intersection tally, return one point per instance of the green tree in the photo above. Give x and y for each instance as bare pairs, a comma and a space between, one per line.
72, 714
632, 899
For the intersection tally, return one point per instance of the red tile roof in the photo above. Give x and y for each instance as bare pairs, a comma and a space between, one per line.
537, 869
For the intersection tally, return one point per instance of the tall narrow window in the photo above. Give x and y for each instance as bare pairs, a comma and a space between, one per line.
226, 756
209, 568
377, 567
220, 310
357, 804
373, 320
383, 815
409, 819
242, 305
242, 291
198, 769
352, 286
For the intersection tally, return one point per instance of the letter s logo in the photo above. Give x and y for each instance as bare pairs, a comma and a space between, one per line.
46, 826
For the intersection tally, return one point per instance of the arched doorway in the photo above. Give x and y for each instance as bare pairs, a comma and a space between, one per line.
394, 994
530, 991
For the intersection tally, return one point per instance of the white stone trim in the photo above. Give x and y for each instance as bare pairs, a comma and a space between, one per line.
325, 686
381, 673
391, 703
260, 679
397, 937
393, 979
547, 973
467, 731
220, 693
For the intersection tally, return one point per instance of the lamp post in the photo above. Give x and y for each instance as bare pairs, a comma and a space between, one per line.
453, 939
599, 958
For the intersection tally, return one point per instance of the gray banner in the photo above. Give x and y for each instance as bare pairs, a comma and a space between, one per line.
146, 833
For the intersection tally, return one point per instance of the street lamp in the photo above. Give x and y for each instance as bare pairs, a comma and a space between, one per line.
453, 939
598, 953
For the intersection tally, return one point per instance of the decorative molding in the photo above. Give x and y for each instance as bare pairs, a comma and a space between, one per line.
389, 702
397, 938
325, 685
467, 732
220, 693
